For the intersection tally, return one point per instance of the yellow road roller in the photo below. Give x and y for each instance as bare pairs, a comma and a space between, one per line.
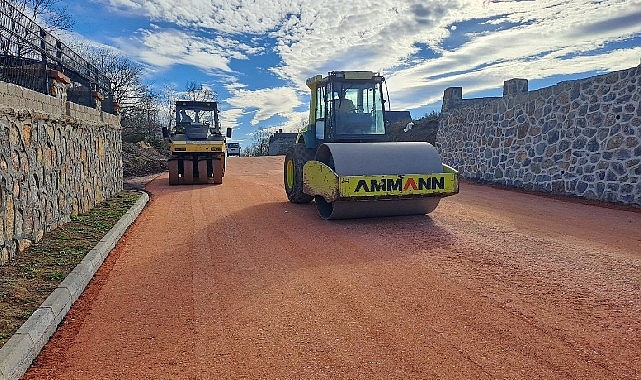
345, 162
198, 148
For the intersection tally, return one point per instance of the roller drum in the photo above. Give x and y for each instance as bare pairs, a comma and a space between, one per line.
367, 159
375, 208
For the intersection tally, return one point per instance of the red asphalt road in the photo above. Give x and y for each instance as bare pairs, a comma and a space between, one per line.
232, 281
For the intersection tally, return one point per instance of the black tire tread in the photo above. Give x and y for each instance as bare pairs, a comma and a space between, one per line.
300, 155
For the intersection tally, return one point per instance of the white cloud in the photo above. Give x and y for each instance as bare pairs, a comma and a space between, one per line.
229, 118
423, 46
167, 47
533, 50
264, 104
226, 16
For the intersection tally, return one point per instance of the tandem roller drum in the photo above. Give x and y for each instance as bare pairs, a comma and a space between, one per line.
374, 208
379, 165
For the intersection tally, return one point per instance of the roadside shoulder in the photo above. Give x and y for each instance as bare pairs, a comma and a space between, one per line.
23, 347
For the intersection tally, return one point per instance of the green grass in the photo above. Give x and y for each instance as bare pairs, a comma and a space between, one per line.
29, 278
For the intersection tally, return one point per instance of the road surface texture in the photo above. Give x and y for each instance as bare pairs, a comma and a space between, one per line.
232, 281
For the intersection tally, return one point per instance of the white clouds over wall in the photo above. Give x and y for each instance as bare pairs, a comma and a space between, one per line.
422, 46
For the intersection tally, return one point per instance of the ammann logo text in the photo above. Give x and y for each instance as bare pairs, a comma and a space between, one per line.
400, 184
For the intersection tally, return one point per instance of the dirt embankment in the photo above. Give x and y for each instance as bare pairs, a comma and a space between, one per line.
141, 159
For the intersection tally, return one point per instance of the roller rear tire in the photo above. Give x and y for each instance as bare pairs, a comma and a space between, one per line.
295, 159
218, 171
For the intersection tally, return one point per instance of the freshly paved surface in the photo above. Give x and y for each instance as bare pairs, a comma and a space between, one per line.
232, 281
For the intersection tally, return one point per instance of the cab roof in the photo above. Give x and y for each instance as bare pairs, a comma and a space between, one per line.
348, 75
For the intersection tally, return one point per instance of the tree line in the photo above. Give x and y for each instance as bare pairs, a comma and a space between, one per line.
143, 109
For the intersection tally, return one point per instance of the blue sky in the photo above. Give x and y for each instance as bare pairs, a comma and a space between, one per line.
256, 54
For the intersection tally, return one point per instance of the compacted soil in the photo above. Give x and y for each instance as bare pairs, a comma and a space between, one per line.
232, 281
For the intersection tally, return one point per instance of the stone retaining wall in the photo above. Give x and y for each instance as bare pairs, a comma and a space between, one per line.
279, 143
579, 138
57, 159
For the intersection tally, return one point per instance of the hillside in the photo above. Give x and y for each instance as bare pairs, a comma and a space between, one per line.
424, 129
141, 159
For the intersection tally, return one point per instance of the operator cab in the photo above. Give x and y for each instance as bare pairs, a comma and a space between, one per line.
198, 120
195, 120
350, 108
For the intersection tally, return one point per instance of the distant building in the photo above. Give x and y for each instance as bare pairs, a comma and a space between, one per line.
280, 142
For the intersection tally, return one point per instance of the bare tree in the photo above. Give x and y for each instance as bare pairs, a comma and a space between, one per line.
200, 92
125, 75
54, 17
142, 120
26, 22
168, 97
140, 106
260, 144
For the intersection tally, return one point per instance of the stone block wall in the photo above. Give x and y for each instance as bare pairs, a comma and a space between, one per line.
579, 138
279, 143
57, 159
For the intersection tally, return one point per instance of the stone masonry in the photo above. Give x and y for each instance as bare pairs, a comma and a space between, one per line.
578, 138
57, 159
280, 142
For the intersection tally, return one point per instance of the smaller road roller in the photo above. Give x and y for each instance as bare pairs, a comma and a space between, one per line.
345, 162
197, 145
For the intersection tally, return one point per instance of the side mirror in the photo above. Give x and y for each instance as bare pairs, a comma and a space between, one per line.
228, 133
165, 132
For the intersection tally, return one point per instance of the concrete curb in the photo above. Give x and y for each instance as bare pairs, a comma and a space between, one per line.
24, 346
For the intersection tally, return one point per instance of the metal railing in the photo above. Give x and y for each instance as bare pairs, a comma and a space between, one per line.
28, 54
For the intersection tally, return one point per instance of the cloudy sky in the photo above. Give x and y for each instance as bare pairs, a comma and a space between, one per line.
256, 54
